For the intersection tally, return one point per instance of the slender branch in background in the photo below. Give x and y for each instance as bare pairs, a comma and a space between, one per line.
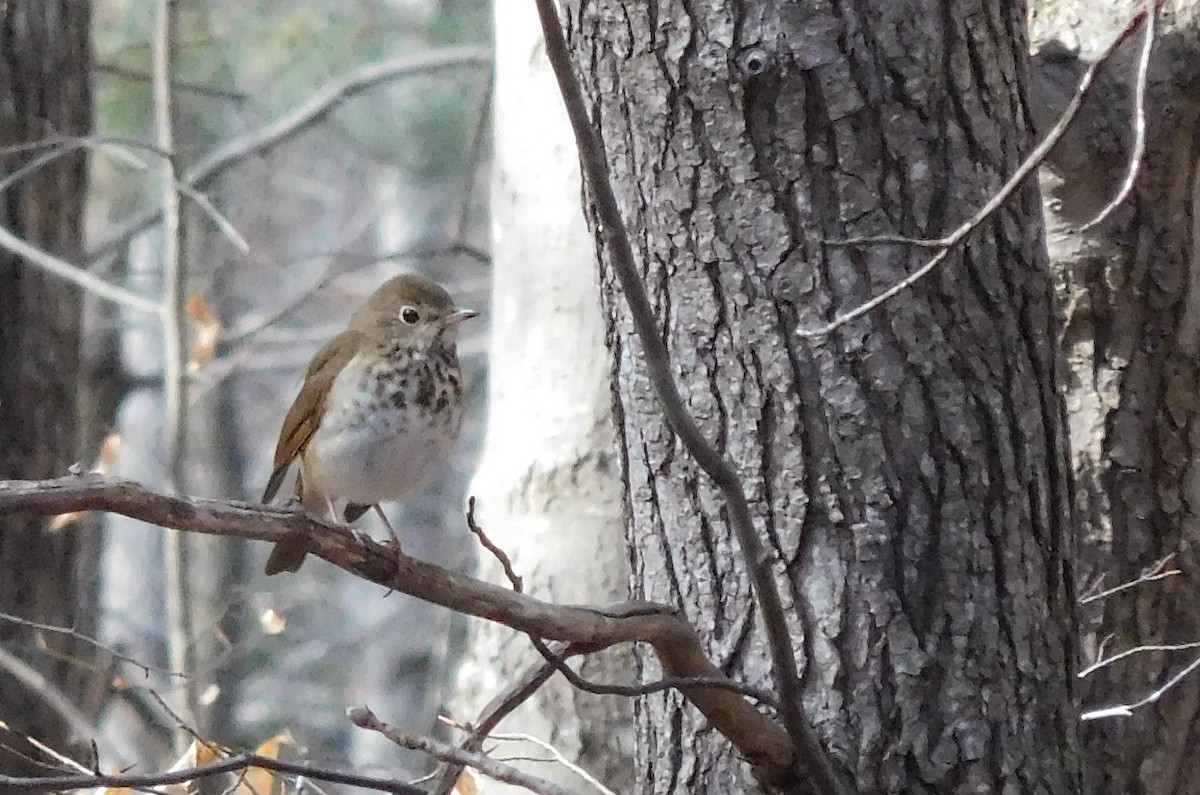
521, 737
1152, 573
365, 719
759, 738
200, 772
122, 150
235, 336
62, 706
496, 710
59, 757
310, 113
811, 760
1126, 710
1138, 150
1026, 168
174, 328
475, 152
1104, 662
79, 636
179, 85
77, 275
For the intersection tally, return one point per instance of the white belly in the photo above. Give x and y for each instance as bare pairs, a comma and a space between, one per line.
381, 456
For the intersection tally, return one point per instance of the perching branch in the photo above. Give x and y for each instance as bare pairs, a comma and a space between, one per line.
761, 740
810, 759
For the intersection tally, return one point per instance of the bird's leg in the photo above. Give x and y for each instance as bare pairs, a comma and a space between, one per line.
395, 540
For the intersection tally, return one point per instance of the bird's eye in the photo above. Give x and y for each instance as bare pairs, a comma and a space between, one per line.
409, 315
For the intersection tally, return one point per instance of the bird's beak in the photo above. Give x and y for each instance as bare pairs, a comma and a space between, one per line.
458, 316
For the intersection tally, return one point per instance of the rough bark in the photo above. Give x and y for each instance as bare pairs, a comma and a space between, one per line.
910, 472
1131, 340
547, 486
45, 57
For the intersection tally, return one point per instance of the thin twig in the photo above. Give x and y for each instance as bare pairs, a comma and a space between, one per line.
557, 755
121, 149
311, 112
558, 662
77, 275
1027, 167
810, 756
474, 155
496, 710
499, 554
1139, 122
1107, 661
182, 85
365, 719
62, 706
1156, 571
79, 636
232, 764
1126, 710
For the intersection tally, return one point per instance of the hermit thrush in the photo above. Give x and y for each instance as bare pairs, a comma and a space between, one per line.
379, 410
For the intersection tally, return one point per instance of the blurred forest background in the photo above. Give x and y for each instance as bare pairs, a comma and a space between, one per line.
343, 142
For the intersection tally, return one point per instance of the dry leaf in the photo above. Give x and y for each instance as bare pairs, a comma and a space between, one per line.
466, 784
210, 694
206, 328
257, 780
271, 622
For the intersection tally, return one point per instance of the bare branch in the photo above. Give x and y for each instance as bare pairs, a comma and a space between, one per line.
1126, 710
557, 755
182, 85
760, 739
1156, 571
471, 167
316, 109
1139, 122
1027, 167
365, 719
122, 149
79, 636
810, 758
230, 765
175, 354
497, 710
58, 701
1104, 662
558, 662
76, 275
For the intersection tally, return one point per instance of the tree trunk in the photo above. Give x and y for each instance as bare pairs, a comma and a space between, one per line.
1131, 339
547, 486
45, 58
909, 471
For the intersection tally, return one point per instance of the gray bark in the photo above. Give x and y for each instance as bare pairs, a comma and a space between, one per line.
910, 472
1131, 342
48, 576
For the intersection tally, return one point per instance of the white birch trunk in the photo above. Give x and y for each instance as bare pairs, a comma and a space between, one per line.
548, 489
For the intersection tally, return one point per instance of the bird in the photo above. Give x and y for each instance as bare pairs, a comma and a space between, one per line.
378, 412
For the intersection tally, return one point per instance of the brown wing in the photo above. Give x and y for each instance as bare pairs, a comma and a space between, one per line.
304, 417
